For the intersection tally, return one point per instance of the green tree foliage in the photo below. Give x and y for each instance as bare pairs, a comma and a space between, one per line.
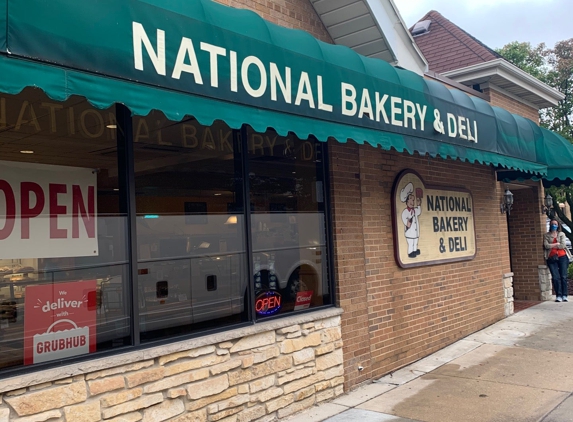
554, 66
528, 58
560, 76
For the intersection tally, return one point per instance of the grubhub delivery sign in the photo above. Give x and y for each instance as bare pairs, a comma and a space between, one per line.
47, 211
60, 321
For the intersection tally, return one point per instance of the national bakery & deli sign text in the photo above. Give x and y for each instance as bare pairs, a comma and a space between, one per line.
432, 224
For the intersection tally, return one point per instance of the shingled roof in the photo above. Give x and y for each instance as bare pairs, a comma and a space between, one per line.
447, 47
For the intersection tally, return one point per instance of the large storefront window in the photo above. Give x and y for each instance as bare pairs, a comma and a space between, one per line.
63, 260
287, 223
190, 230
214, 227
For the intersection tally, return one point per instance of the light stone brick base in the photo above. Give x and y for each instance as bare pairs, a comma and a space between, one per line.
270, 371
508, 293
545, 286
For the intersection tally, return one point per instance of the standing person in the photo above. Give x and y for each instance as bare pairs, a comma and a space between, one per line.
557, 259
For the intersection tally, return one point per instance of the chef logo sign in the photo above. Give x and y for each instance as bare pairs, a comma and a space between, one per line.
432, 224
59, 321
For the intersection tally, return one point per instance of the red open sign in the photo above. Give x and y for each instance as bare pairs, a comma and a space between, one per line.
268, 303
47, 202
47, 211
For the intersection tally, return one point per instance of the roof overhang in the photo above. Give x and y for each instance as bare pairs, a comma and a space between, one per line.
508, 78
372, 28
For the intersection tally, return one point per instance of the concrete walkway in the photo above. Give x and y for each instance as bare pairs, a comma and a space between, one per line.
519, 369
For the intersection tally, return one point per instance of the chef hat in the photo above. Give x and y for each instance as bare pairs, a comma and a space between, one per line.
404, 193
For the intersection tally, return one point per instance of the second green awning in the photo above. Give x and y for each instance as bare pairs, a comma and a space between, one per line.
557, 153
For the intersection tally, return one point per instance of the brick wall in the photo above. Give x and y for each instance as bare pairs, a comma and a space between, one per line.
297, 14
350, 258
526, 228
513, 106
394, 316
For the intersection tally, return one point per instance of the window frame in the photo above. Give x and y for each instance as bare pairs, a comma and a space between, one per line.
127, 198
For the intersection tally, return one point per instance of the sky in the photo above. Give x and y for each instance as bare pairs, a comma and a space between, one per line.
498, 22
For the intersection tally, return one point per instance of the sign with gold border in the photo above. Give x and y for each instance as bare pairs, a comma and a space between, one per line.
432, 224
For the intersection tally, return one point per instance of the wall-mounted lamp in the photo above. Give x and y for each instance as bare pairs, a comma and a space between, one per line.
547, 207
507, 203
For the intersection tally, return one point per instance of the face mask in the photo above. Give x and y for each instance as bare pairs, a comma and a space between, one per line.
553, 227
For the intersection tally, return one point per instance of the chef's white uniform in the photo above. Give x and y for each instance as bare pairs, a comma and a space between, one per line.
413, 232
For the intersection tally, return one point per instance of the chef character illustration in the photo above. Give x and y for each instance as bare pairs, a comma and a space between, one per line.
410, 217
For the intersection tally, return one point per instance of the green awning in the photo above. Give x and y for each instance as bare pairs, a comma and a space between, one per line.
199, 58
554, 151
557, 153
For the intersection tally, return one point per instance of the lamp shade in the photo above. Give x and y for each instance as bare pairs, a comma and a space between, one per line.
508, 197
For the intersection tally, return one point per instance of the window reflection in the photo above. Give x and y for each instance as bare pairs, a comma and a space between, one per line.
288, 224
63, 264
193, 271
190, 227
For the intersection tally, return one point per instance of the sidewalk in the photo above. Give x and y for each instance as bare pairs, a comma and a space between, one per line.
519, 369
